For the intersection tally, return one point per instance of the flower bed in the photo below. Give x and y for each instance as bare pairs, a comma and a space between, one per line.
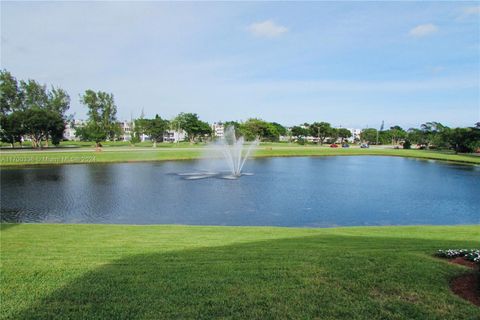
472, 255
466, 285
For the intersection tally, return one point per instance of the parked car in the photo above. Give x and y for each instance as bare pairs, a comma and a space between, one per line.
364, 146
345, 145
334, 145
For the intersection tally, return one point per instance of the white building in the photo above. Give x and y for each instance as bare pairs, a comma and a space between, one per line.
71, 129
218, 129
355, 135
174, 136
126, 128
69, 132
284, 138
144, 137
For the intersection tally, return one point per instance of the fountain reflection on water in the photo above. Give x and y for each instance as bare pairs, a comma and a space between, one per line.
235, 152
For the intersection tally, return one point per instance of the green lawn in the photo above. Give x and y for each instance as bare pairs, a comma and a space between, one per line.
179, 272
105, 144
118, 154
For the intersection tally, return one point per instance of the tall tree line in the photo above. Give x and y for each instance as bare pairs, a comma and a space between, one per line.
320, 130
28, 108
430, 135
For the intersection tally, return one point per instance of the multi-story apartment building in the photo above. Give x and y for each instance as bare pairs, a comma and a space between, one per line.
355, 135
71, 129
174, 136
126, 128
218, 129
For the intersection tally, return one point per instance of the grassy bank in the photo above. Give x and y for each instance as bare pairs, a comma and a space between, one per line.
90, 144
21, 158
155, 272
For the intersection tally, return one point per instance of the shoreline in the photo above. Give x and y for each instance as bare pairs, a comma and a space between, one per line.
14, 159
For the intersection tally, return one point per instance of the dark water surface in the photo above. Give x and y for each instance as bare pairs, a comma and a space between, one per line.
317, 192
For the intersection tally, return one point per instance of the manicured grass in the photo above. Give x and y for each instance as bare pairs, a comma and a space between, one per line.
21, 158
110, 144
179, 272
91, 156
315, 151
90, 144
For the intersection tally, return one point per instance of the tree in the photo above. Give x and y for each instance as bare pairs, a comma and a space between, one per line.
10, 94
407, 144
464, 139
40, 123
24, 105
384, 137
369, 135
396, 134
415, 135
58, 101
257, 128
299, 132
12, 127
11, 120
333, 136
34, 95
91, 131
140, 128
50, 106
204, 130
236, 125
344, 134
321, 130
56, 127
102, 117
192, 125
281, 130
156, 129
115, 131
432, 132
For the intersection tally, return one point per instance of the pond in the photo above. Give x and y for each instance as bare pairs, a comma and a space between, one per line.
300, 191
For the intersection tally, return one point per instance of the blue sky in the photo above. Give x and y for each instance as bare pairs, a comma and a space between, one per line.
349, 63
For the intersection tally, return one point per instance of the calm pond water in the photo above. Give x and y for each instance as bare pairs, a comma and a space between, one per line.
315, 192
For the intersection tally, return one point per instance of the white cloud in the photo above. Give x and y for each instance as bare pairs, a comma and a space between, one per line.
471, 11
268, 29
423, 30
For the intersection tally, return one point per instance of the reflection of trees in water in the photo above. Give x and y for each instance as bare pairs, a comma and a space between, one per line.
99, 192
11, 216
54, 173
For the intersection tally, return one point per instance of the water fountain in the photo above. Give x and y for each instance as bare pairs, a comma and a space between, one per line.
235, 152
